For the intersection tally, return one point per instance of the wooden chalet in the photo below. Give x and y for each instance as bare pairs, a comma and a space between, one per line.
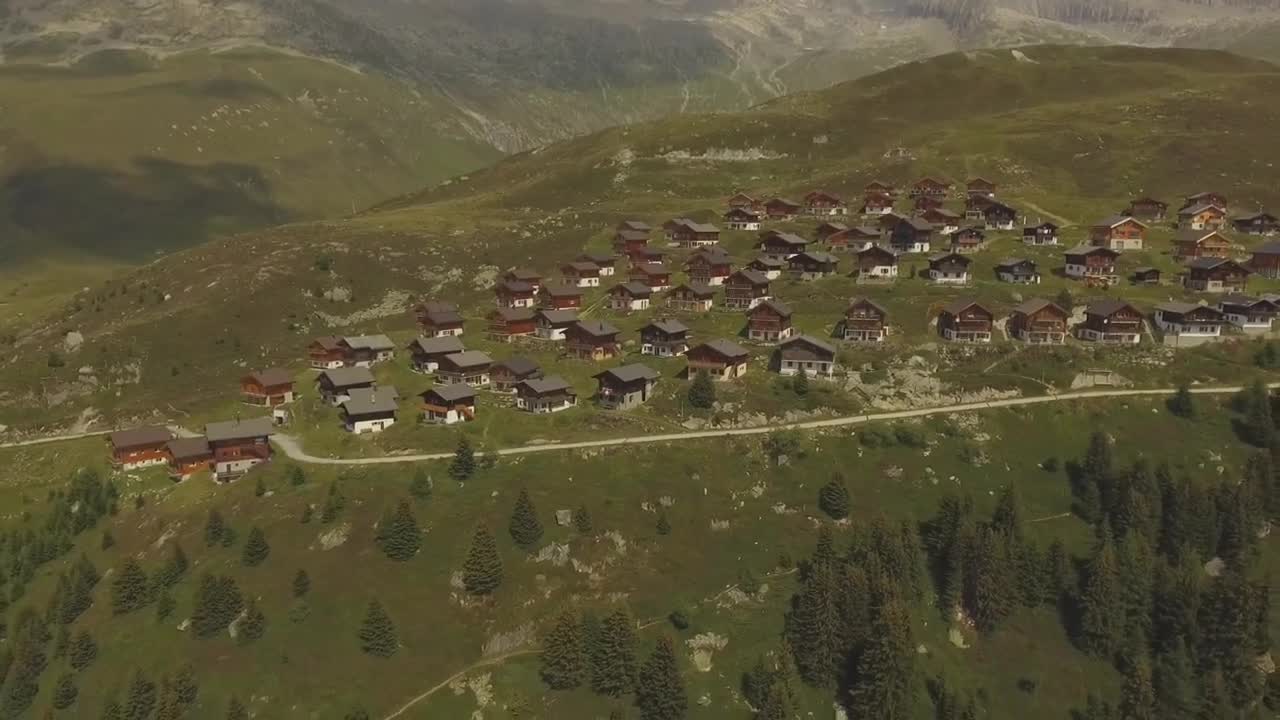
470, 367
1146, 275
188, 456
626, 387
874, 205
514, 294
592, 340
1259, 223
1202, 217
1147, 209
506, 324
770, 268
1200, 243
631, 237
876, 263
553, 324
780, 245
1039, 322
949, 269
879, 187
709, 266
865, 321
720, 359
664, 338
745, 289
967, 240
545, 395
924, 203
781, 209
334, 386
1092, 263
580, 274
655, 276
506, 374
1265, 260
1215, 275
367, 350
1018, 271
885, 223
1188, 321
807, 355
524, 275
1042, 234
743, 201
688, 233
769, 322
975, 207
649, 255
820, 203
942, 219
999, 216
630, 297
813, 265
238, 446
449, 404
966, 320
1111, 322
828, 228
691, 297
561, 297
439, 319
1205, 198
139, 447
911, 235
267, 388
741, 219
853, 239
425, 352
370, 410
606, 261
326, 353
979, 187
1250, 314
929, 187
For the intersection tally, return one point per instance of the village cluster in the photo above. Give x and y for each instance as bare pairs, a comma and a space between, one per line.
531, 306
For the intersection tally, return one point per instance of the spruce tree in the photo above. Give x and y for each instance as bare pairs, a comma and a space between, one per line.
1138, 701
65, 691
214, 528
378, 633
885, 669
301, 583
1174, 683
217, 603
112, 710
185, 688
702, 391
236, 711
165, 605
482, 570
420, 487
582, 520
1182, 404
83, 651
525, 528
1257, 427
334, 503
130, 589
296, 476
398, 533
108, 540
140, 701
176, 567
811, 626
253, 625
613, 666
833, 498
800, 384
464, 460
660, 692
991, 588
563, 654
1102, 618
256, 548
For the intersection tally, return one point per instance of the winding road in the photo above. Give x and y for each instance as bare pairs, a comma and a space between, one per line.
290, 446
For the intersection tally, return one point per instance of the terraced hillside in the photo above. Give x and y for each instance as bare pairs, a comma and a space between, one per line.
1067, 132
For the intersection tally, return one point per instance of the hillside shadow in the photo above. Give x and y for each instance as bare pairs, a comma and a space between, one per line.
158, 205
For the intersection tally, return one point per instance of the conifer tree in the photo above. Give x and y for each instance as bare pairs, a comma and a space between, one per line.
185, 688
464, 461
217, 602
582, 520
660, 692
563, 656
613, 668
833, 498
398, 533
1138, 701
1175, 599
1174, 684
253, 625
482, 571
256, 548
378, 633
800, 384
301, 583
296, 476
165, 605
140, 701
334, 503
83, 651
882, 686
525, 528
1257, 427
812, 626
1182, 404
1137, 574
663, 526
1102, 608
702, 391
991, 588
112, 710
174, 568
420, 487
236, 711
108, 540
214, 528
130, 590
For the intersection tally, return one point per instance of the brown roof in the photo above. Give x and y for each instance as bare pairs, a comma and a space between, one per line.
140, 437
191, 448
272, 377
959, 305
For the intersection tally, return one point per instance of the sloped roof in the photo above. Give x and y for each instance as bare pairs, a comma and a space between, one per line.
1181, 307
775, 305
372, 401
519, 314
469, 358
599, 258
667, 325
1107, 307
140, 436
767, 262
451, 393
562, 290
1271, 247
818, 256
1090, 249
752, 276
443, 317
239, 429
548, 385
727, 348
596, 328
959, 305
697, 289
1209, 263
633, 287
189, 447
784, 238
436, 345
868, 301
272, 377
328, 342
638, 225
514, 286
518, 366
652, 269
812, 341
581, 266
369, 342
347, 376
1197, 209
629, 373
523, 274
1035, 305
1187, 235
558, 317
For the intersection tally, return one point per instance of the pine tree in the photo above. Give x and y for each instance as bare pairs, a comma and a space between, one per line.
65, 691
582, 520
236, 711
214, 528
613, 667
833, 498
420, 487
525, 528
482, 571
563, 654
398, 533
1138, 700
378, 633
1182, 404
334, 503
1257, 427
660, 692
256, 548
296, 476
165, 605
253, 625
1102, 609
811, 627
800, 384
130, 590
83, 651
663, 526
301, 583
140, 701
464, 461
1174, 683
882, 685
217, 602
702, 391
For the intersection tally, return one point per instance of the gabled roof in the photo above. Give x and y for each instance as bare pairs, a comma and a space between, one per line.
1108, 307
1199, 208
917, 223
1186, 235
978, 181
777, 306
345, 377
451, 393
712, 253
833, 226
1260, 215
442, 317
189, 448
700, 290
726, 348
868, 301
995, 205
1271, 247
1210, 263
328, 342
878, 249
272, 377
929, 180
138, 437
1148, 200
599, 258
559, 317
633, 288
1090, 250
369, 342
1202, 195
518, 366
581, 266
518, 287
652, 269
547, 385
741, 212
817, 256
1182, 308
1012, 262
773, 236
667, 325
1035, 305
751, 276
814, 194
949, 257
811, 341
469, 359
635, 225
1041, 226
782, 201
520, 314
948, 214
372, 401
694, 226
434, 346
596, 328
1247, 300
629, 373
523, 274
258, 427
562, 290
768, 262
959, 305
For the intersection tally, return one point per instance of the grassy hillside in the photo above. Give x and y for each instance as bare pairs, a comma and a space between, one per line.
177, 333
734, 514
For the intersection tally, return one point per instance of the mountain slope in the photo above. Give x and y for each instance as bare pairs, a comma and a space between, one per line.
1072, 131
